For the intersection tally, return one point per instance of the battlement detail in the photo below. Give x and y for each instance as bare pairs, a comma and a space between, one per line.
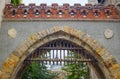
77, 12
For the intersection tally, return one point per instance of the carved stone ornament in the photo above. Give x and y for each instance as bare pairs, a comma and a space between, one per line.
108, 33
12, 32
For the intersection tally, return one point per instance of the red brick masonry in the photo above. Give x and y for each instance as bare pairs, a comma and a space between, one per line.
76, 12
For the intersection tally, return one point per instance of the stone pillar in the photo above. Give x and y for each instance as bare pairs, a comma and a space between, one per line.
93, 2
2, 5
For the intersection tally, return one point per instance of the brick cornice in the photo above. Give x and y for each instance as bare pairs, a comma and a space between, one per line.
76, 12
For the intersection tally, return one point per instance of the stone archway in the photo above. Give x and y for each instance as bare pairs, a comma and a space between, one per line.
107, 62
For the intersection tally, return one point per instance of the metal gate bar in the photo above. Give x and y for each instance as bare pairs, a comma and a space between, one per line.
60, 51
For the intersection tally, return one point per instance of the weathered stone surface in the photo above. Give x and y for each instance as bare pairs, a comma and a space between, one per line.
78, 33
115, 68
10, 63
67, 33
5, 75
43, 33
2, 5
117, 75
56, 28
109, 62
108, 33
68, 30
32, 38
12, 32
0, 74
28, 42
102, 52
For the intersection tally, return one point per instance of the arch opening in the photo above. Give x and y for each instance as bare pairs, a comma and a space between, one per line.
60, 53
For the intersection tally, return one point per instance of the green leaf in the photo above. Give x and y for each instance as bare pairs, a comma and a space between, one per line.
38, 71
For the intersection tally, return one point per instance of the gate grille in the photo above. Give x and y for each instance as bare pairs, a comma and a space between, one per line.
63, 52
60, 52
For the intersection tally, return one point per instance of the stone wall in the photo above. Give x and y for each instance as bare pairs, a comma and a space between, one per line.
25, 28
107, 64
2, 5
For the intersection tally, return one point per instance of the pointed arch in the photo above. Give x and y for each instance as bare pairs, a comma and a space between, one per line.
107, 62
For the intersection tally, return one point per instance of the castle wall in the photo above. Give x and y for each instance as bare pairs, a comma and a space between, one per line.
2, 4
25, 28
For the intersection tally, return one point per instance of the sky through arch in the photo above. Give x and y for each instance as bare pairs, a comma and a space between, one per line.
60, 2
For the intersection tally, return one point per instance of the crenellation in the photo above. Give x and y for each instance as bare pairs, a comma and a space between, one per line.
66, 11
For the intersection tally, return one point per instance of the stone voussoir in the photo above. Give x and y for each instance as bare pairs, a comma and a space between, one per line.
115, 68
56, 29
68, 30
10, 63
1, 74
35, 36
5, 75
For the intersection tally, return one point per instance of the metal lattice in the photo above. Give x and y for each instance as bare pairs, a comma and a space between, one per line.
60, 52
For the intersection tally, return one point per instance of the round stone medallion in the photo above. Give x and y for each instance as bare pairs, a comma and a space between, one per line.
108, 33
12, 32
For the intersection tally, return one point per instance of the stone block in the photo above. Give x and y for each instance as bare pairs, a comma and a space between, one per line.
36, 36
44, 33
110, 62
87, 48
102, 52
78, 42
45, 40
32, 38
56, 28
107, 56
28, 42
68, 30
0, 74
99, 49
114, 68
10, 63
93, 44
8, 66
85, 38
17, 53
117, 75
5, 75
78, 33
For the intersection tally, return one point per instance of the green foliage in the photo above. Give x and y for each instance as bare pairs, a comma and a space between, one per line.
76, 71
16, 2
38, 71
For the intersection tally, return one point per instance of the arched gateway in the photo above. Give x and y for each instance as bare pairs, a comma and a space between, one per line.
106, 67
